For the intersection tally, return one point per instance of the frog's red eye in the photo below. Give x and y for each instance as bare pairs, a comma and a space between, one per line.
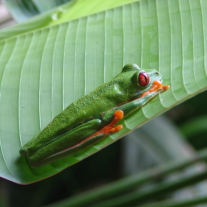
143, 79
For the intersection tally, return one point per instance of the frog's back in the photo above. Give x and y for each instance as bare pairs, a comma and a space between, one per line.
102, 99
105, 97
76, 113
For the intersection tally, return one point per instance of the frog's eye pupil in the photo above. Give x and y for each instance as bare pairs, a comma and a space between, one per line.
143, 79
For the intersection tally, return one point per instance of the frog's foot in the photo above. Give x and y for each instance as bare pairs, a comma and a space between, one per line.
111, 127
156, 86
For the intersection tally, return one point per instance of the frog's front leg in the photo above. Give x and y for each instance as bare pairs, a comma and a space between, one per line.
75, 140
111, 127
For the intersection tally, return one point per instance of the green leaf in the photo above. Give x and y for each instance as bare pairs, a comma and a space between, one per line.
21, 10
194, 126
46, 68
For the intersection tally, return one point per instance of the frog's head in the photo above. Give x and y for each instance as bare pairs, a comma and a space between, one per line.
142, 82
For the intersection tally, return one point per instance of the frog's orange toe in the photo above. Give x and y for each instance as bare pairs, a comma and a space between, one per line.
166, 87
157, 85
119, 114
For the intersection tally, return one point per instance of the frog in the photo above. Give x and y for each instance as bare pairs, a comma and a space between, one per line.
94, 116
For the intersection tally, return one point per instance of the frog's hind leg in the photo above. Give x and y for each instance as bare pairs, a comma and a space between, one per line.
110, 128
86, 135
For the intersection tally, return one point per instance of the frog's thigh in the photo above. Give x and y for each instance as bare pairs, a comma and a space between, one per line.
78, 134
110, 128
83, 136
78, 139
72, 143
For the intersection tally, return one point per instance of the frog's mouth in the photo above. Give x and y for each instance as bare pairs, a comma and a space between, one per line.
156, 86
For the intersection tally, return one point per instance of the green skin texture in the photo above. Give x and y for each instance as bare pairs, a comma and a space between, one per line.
87, 115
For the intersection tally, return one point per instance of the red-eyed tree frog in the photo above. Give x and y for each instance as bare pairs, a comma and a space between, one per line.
94, 116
